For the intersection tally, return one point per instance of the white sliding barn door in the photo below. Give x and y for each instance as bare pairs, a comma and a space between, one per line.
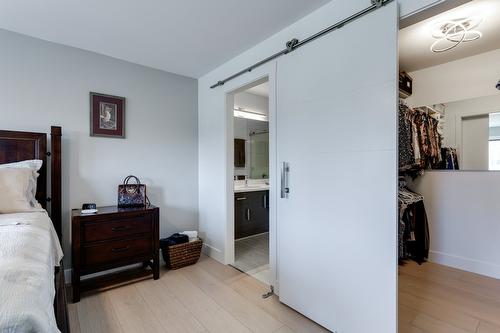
337, 130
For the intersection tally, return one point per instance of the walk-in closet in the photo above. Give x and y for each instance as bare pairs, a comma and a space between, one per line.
449, 157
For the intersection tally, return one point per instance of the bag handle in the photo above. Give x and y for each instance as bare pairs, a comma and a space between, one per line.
127, 185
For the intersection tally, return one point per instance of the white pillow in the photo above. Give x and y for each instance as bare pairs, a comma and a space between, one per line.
14, 188
34, 165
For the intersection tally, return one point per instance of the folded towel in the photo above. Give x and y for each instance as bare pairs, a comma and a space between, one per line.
193, 235
174, 239
190, 234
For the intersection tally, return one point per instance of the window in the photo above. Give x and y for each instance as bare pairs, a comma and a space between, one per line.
494, 155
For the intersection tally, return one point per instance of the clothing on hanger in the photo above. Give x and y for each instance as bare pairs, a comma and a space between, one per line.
406, 154
414, 237
419, 138
449, 159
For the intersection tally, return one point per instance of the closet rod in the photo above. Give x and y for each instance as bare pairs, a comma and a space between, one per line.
294, 44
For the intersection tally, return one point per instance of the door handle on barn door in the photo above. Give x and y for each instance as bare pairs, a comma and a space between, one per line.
285, 170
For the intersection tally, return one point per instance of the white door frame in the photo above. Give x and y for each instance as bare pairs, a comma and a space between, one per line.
239, 84
267, 71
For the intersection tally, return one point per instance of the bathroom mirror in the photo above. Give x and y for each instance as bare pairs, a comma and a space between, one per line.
255, 135
259, 154
471, 130
251, 133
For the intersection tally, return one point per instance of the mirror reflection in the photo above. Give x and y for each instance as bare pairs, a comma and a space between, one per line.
251, 133
259, 154
461, 135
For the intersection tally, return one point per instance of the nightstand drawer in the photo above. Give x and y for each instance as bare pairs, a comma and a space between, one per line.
114, 237
116, 229
113, 251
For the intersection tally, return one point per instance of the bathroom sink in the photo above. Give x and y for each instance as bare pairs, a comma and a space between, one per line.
251, 187
256, 185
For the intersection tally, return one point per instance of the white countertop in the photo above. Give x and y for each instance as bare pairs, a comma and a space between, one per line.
252, 185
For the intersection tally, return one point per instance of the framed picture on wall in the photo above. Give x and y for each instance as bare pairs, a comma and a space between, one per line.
107, 115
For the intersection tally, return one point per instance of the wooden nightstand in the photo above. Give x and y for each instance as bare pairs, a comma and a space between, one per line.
112, 238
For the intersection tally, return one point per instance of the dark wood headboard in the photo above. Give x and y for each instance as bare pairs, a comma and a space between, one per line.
19, 146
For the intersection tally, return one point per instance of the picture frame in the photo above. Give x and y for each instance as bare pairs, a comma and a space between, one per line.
107, 115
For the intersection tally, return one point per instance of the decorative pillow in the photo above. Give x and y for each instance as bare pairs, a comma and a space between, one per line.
33, 165
14, 188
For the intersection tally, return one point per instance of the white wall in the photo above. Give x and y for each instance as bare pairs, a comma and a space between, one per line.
458, 80
44, 84
252, 102
474, 152
462, 208
212, 118
455, 111
462, 205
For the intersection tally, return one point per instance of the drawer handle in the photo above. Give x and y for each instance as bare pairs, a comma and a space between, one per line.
121, 249
242, 198
120, 228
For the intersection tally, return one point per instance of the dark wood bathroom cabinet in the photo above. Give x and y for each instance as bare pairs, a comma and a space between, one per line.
251, 213
239, 153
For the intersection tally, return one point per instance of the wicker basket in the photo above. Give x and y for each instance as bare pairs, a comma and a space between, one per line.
178, 256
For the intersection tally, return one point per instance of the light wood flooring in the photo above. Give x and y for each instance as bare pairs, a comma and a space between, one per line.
439, 299
206, 297
211, 297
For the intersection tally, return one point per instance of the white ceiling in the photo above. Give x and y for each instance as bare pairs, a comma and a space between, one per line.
261, 90
187, 37
415, 40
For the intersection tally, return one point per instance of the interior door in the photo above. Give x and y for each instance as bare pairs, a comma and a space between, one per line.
337, 131
475, 142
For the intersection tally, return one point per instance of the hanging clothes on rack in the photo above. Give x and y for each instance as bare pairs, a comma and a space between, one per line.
419, 138
414, 237
429, 139
419, 149
449, 159
406, 153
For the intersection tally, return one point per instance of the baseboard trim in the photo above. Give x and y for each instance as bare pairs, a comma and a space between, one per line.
213, 252
466, 264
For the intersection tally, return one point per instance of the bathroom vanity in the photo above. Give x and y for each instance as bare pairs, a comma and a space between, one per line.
251, 210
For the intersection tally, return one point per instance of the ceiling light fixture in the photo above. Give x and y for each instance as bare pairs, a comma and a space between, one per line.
452, 33
242, 113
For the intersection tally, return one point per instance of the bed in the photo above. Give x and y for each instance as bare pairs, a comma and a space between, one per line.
32, 287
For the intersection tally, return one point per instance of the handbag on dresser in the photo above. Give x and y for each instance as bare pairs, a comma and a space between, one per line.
132, 195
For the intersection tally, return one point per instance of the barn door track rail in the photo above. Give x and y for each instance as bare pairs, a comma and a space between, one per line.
294, 44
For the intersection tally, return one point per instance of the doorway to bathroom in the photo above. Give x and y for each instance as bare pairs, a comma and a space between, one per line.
251, 181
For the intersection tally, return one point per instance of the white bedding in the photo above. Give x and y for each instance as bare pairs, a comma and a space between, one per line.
29, 250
